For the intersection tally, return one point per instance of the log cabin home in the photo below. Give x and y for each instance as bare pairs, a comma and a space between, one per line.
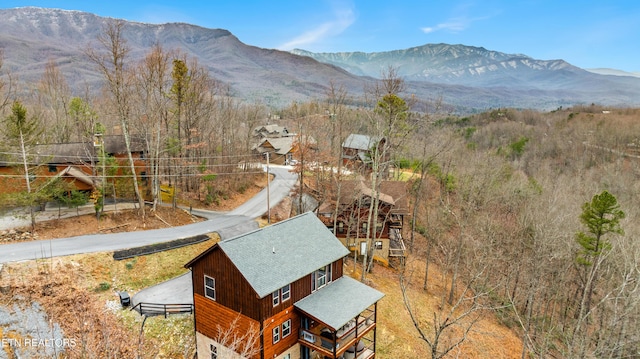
72, 162
347, 217
284, 283
284, 150
357, 151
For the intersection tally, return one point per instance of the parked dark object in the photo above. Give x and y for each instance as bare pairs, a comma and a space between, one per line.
125, 300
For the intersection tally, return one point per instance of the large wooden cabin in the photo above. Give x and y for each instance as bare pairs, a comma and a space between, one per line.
285, 284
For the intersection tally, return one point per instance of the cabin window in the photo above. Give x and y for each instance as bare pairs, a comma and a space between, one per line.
340, 227
276, 297
321, 277
378, 245
214, 351
53, 168
209, 287
286, 292
286, 328
276, 334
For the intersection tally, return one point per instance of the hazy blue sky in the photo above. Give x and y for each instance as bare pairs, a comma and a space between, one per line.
586, 33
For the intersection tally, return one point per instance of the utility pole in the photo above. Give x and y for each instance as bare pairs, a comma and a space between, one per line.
268, 193
98, 142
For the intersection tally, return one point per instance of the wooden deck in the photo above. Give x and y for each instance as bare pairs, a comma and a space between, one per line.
314, 339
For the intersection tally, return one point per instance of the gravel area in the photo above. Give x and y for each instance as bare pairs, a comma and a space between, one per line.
27, 333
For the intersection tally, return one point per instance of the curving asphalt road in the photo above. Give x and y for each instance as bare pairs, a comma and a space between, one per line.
279, 188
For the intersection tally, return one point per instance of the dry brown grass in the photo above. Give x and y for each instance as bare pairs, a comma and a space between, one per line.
397, 337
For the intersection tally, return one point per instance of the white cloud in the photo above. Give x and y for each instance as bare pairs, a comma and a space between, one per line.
454, 25
343, 18
460, 19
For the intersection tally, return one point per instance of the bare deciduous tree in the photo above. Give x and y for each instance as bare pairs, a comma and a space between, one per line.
450, 324
245, 344
111, 59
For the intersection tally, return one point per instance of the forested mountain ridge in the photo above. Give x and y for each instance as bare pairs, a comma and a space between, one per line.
466, 78
478, 67
457, 64
32, 36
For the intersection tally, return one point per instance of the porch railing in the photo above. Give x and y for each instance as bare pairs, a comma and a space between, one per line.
324, 342
155, 309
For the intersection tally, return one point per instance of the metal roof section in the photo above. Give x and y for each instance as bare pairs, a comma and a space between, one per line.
339, 302
272, 257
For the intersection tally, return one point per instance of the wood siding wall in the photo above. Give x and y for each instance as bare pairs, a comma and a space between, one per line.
232, 290
235, 296
272, 350
12, 178
9, 183
209, 315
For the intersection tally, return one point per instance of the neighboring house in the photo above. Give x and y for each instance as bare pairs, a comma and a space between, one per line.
284, 282
357, 151
73, 162
270, 131
282, 150
349, 216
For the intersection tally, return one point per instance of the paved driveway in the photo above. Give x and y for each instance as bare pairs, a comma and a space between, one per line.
179, 290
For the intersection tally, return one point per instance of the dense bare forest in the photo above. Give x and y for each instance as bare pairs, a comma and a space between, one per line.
530, 214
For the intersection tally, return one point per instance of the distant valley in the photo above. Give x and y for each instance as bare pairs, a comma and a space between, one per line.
467, 79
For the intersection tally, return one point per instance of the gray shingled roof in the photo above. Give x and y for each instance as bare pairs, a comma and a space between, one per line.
273, 256
339, 302
360, 142
282, 145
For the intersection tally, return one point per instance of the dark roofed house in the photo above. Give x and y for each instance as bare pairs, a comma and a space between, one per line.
286, 282
349, 213
73, 162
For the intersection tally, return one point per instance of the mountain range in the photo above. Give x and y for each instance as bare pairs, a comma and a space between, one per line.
465, 78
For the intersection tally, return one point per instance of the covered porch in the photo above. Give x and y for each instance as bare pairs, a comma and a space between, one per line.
339, 321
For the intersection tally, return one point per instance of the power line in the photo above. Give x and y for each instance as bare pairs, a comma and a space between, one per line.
21, 176
126, 165
96, 157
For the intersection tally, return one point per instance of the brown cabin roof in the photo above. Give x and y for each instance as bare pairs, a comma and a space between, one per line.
392, 192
